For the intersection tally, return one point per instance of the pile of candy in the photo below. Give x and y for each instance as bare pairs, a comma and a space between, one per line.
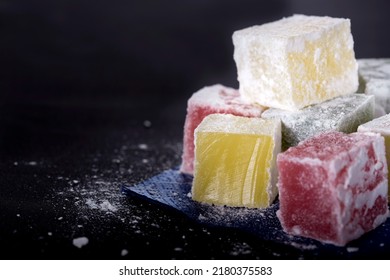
307, 122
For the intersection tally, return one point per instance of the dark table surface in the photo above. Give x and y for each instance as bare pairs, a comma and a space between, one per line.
94, 97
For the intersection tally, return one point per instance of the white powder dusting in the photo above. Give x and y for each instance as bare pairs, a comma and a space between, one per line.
87, 198
352, 249
241, 249
107, 206
303, 246
91, 204
80, 242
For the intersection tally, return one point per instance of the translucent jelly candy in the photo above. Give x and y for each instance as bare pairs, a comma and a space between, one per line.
333, 186
235, 161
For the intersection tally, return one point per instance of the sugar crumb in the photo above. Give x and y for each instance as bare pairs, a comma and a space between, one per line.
124, 252
142, 146
147, 123
107, 206
80, 242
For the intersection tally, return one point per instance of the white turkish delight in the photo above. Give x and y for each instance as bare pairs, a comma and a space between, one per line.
344, 114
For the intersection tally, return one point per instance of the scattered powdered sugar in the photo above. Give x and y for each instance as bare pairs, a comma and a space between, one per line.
352, 249
26, 163
94, 196
80, 242
240, 249
213, 214
303, 246
92, 204
105, 205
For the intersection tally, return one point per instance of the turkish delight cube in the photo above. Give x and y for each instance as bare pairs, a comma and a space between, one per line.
206, 101
333, 186
235, 161
374, 78
373, 68
344, 114
382, 126
296, 61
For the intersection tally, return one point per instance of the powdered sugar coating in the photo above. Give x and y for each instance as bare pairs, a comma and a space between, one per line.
206, 101
293, 27
228, 123
333, 187
344, 113
221, 98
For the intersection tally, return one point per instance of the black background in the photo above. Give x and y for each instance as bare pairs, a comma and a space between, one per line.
78, 80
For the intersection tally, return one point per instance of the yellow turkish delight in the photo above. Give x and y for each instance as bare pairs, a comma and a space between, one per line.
235, 161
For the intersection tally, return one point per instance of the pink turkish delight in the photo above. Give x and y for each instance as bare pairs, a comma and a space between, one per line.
206, 101
333, 187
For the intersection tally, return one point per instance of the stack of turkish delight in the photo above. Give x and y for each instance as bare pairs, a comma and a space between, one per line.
297, 128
